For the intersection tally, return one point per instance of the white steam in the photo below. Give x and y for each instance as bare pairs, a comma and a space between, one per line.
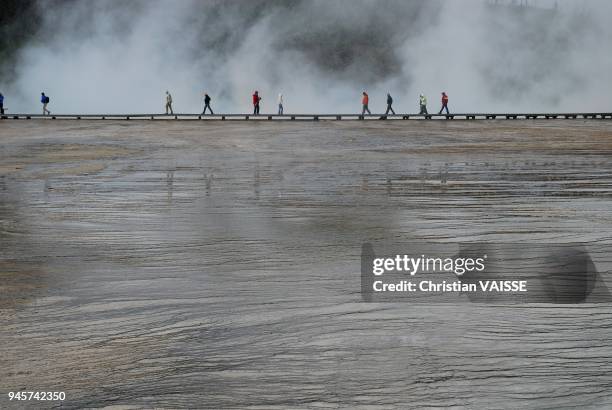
107, 56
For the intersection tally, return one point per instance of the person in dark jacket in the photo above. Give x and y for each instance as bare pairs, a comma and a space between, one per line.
389, 104
44, 100
207, 100
444, 103
256, 101
1, 104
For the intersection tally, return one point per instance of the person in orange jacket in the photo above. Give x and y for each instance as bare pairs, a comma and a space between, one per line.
365, 101
444, 103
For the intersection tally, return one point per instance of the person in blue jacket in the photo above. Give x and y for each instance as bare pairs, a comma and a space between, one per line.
1, 104
44, 100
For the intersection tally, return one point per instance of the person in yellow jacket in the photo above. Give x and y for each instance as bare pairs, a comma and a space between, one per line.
423, 104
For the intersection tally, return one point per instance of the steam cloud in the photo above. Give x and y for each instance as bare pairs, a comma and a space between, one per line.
116, 56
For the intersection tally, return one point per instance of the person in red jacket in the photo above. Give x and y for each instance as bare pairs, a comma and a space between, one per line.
444, 104
365, 101
256, 100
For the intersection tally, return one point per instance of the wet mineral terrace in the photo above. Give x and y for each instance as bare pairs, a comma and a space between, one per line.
211, 265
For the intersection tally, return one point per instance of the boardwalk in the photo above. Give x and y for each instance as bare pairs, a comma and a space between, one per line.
210, 265
316, 117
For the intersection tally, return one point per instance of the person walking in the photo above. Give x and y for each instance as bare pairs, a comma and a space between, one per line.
1, 104
444, 104
280, 104
256, 101
364, 102
423, 104
389, 104
169, 103
44, 100
207, 101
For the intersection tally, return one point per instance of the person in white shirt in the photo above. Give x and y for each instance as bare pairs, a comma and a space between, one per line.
169, 103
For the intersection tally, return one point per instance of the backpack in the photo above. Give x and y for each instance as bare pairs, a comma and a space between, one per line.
46, 100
